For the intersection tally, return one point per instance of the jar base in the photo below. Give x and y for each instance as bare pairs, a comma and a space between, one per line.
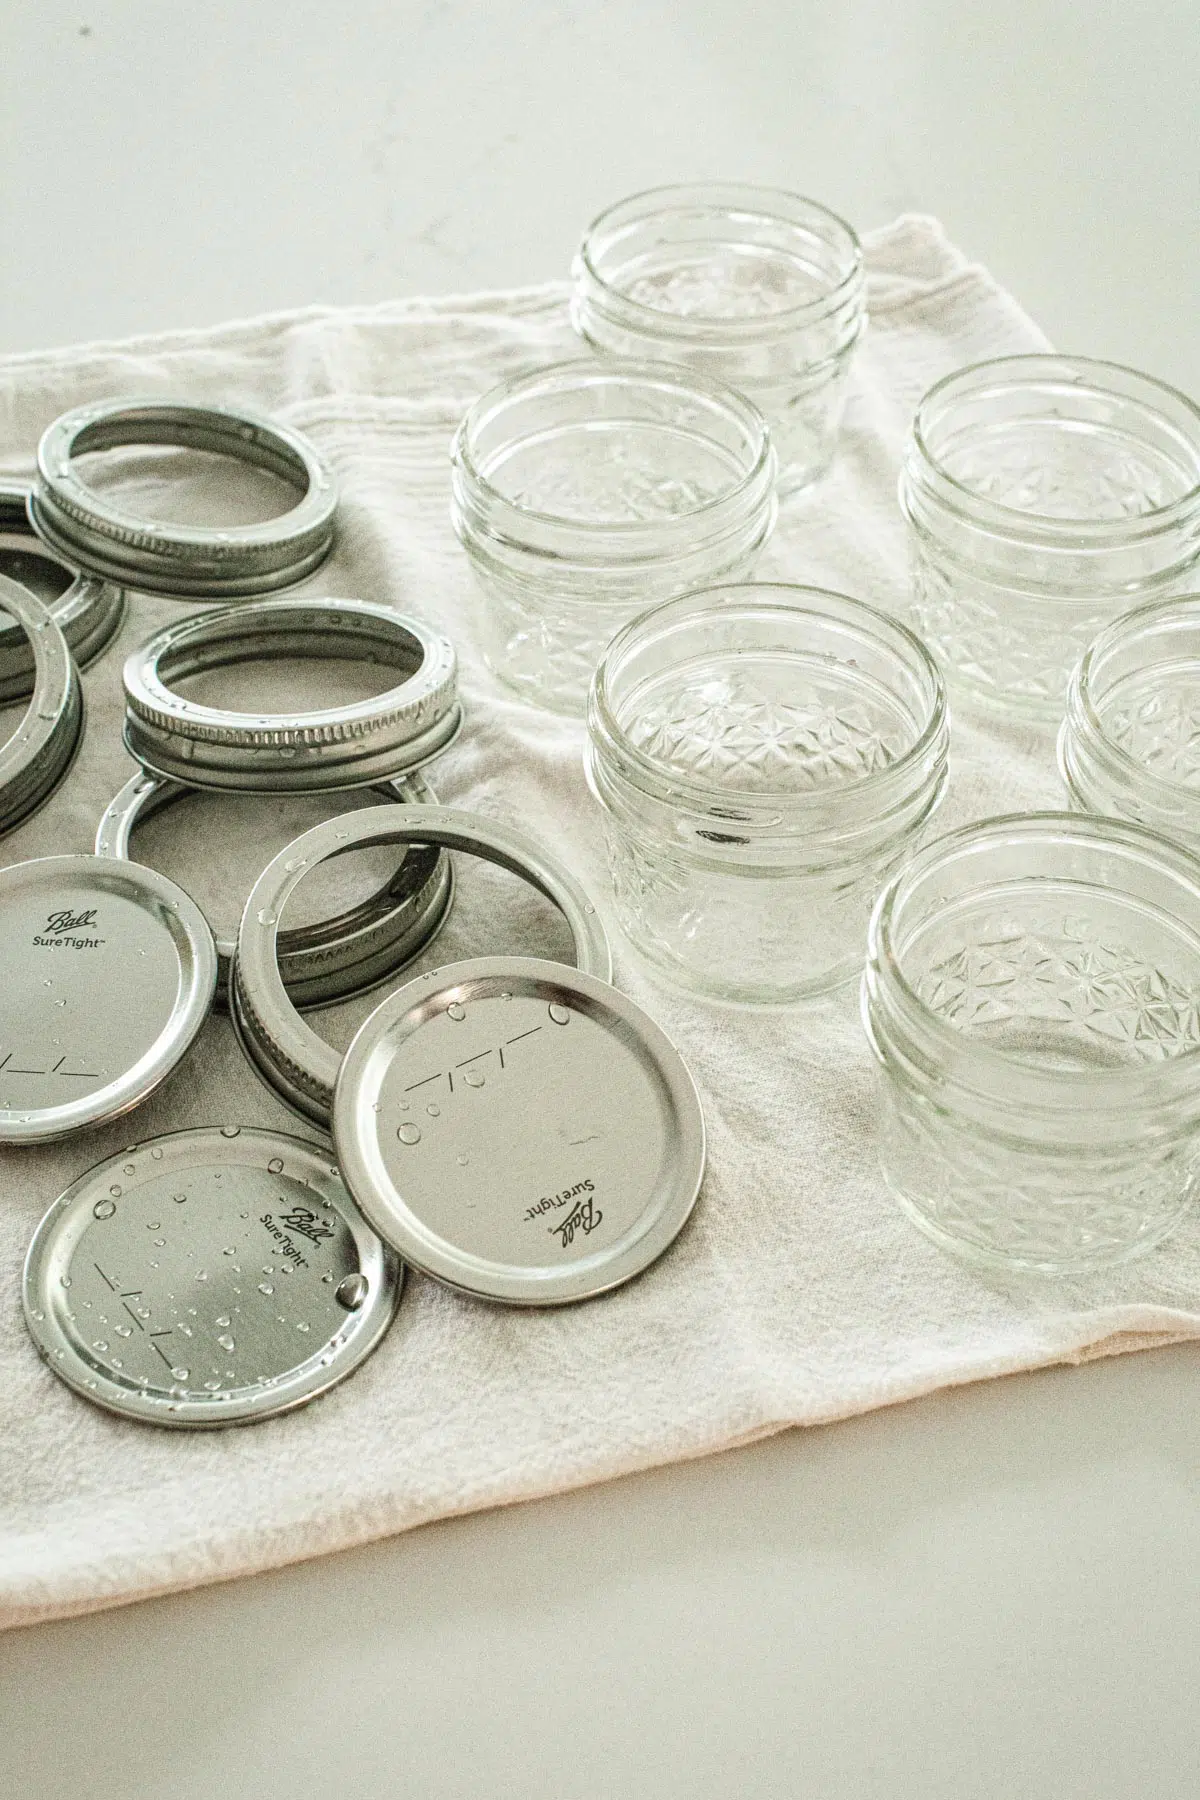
990, 1260
746, 998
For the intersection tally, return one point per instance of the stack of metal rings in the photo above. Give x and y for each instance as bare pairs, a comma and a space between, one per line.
378, 743
42, 748
182, 561
87, 610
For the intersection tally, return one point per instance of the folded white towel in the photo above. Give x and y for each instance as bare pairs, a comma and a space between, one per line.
797, 1294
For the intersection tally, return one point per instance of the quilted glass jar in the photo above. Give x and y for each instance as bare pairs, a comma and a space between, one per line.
1044, 495
761, 288
1130, 743
764, 756
1032, 995
583, 493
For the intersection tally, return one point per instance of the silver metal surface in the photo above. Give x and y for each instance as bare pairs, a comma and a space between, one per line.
519, 1130
301, 1067
37, 755
176, 560
213, 1277
335, 747
333, 959
88, 612
107, 972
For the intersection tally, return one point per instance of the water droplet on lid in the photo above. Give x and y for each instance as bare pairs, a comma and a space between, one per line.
301, 1325
115, 1192
39, 1316
352, 1290
327, 1278
408, 1134
201, 1274
229, 1250
225, 1341
156, 1154
231, 1131
103, 1209
212, 1387
115, 1362
223, 1320
160, 1244
154, 1225
294, 863
456, 1010
474, 1078
276, 1165
64, 1281
264, 1287
266, 916
180, 1374
131, 1168
325, 1361
462, 1161
433, 1111
560, 1014
124, 1330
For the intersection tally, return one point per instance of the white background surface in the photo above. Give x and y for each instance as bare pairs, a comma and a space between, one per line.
992, 1593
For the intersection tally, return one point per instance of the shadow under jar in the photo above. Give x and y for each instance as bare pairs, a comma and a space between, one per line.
759, 287
1044, 494
1032, 995
1130, 743
765, 755
583, 493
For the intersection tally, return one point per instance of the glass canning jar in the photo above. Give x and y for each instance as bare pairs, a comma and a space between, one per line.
584, 492
1032, 995
1044, 494
764, 755
1130, 743
762, 288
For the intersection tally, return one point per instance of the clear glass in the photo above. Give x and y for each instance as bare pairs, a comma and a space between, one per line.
758, 287
1032, 994
585, 492
764, 755
1045, 494
1130, 743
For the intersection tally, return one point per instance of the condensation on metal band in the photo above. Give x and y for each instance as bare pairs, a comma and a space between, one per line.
358, 744
42, 748
276, 1038
164, 557
334, 959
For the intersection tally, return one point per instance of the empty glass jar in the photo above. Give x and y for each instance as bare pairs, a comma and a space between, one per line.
1130, 743
585, 492
1044, 494
759, 287
764, 755
1032, 994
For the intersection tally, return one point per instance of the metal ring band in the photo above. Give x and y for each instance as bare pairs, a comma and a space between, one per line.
301, 1067
88, 612
178, 560
334, 747
42, 748
337, 958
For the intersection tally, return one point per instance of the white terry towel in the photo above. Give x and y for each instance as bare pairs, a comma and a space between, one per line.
797, 1294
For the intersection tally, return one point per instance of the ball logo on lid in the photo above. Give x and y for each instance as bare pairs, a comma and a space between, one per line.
64, 926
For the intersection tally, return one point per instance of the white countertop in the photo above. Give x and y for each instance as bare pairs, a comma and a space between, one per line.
987, 1595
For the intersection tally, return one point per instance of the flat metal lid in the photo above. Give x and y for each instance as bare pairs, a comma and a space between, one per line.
213, 1277
519, 1130
107, 972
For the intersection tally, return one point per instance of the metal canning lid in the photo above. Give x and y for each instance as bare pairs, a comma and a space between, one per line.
336, 958
333, 747
300, 1066
178, 560
213, 1277
519, 1130
88, 612
106, 975
37, 755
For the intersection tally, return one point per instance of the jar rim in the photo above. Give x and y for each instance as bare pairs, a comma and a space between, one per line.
1153, 1082
767, 596
635, 534
729, 197
1083, 715
1022, 522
